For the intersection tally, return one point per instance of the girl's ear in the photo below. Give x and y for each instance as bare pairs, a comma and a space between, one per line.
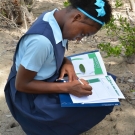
77, 17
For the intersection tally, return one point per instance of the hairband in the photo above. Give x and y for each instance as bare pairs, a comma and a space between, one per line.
101, 12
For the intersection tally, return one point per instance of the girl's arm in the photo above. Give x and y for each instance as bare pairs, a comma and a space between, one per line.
25, 83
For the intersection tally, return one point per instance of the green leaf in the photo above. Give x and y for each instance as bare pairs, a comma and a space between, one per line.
82, 68
66, 4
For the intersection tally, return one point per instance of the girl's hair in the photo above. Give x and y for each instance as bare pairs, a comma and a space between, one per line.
89, 7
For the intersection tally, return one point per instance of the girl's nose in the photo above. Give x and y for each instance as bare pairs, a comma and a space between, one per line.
78, 38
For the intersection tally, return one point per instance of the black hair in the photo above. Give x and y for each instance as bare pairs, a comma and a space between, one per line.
90, 7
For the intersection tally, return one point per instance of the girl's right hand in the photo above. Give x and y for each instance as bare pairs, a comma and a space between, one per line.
78, 89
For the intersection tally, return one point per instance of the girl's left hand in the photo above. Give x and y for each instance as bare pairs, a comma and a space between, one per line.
67, 68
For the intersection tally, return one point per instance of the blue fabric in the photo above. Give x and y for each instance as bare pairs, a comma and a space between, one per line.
41, 114
49, 17
91, 17
100, 10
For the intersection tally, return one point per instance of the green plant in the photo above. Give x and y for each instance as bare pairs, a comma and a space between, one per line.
66, 3
3, 12
121, 29
132, 90
118, 3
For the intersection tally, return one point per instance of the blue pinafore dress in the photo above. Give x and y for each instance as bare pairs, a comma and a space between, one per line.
41, 114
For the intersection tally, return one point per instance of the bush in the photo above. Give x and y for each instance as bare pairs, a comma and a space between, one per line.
121, 29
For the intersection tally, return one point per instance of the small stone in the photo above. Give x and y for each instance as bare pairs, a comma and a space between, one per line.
130, 80
114, 126
121, 109
113, 118
133, 93
9, 130
9, 115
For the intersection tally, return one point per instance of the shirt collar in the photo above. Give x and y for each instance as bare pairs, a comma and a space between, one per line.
49, 17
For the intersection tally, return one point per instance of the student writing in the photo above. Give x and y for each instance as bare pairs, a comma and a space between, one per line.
31, 91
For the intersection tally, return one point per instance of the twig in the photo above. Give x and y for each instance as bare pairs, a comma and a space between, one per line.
130, 18
24, 17
10, 22
31, 7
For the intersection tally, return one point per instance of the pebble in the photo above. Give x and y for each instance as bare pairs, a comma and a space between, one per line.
9, 115
9, 130
130, 80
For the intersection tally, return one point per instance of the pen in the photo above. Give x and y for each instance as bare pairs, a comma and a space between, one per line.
80, 81
60, 80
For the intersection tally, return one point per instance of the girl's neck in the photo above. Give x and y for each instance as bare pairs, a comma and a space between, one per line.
59, 16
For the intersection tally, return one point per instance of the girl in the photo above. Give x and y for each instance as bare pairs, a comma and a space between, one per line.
31, 91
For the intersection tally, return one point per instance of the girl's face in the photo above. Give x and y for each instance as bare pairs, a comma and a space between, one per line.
78, 27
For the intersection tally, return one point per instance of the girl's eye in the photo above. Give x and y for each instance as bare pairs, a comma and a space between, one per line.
82, 35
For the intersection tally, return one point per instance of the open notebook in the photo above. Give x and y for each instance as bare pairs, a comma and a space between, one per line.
105, 91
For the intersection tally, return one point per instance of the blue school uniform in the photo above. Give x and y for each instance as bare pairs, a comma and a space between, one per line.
41, 114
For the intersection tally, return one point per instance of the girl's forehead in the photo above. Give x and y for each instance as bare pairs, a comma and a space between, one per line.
85, 28
91, 23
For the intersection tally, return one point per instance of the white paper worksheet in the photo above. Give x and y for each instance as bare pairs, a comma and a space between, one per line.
92, 63
103, 90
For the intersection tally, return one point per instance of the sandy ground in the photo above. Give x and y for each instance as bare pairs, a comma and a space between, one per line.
120, 122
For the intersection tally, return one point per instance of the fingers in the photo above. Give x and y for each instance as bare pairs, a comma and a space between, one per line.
61, 75
80, 90
84, 81
72, 77
87, 88
85, 91
82, 93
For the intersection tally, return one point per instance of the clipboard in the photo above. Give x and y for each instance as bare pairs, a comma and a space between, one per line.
66, 100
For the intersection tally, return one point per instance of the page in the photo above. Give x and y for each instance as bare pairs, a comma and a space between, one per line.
86, 69
114, 86
106, 101
90, 64
103, 89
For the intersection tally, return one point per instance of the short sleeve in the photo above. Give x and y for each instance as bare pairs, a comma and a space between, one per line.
36, 52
